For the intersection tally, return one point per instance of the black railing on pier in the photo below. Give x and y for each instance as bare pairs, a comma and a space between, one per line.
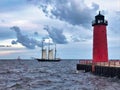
110, 63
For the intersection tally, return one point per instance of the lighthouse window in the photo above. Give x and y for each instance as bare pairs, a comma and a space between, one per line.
98, 21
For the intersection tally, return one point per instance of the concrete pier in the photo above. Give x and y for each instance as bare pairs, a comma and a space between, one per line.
107, 69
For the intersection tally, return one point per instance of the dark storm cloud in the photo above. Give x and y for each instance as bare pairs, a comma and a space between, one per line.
56, 35
24, 39
76, 13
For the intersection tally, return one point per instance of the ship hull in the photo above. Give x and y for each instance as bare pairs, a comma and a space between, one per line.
47, 60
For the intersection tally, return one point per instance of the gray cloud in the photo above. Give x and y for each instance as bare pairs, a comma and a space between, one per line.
14, 42
75, 12
30, 43
56, 35
36, 33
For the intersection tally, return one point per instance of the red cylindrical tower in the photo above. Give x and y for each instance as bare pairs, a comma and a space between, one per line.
100, 49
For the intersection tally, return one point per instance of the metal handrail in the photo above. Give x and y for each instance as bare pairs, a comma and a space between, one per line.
110, 63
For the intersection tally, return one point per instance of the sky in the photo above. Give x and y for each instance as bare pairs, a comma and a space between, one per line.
24, 24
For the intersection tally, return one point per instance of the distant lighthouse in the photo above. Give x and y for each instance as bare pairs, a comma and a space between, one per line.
100, 49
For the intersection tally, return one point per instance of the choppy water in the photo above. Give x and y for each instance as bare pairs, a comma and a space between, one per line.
33, 75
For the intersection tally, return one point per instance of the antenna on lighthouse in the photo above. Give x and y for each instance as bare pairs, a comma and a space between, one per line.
99, 12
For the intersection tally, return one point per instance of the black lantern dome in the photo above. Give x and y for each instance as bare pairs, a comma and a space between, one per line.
99, 20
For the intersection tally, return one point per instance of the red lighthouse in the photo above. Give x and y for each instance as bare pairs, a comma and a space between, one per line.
100, 49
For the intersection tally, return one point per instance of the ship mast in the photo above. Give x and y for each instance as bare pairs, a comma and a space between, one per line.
49, 49
55, 51
42, 48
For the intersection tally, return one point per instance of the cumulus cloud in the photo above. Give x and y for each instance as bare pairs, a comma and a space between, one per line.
56, 35
26, 41
75, 12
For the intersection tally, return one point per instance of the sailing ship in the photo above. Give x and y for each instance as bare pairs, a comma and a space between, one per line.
48, 55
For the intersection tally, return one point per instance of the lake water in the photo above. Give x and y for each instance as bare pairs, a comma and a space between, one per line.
34, 75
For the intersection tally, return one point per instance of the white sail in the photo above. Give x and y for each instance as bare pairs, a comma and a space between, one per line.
50, 54
44, 54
